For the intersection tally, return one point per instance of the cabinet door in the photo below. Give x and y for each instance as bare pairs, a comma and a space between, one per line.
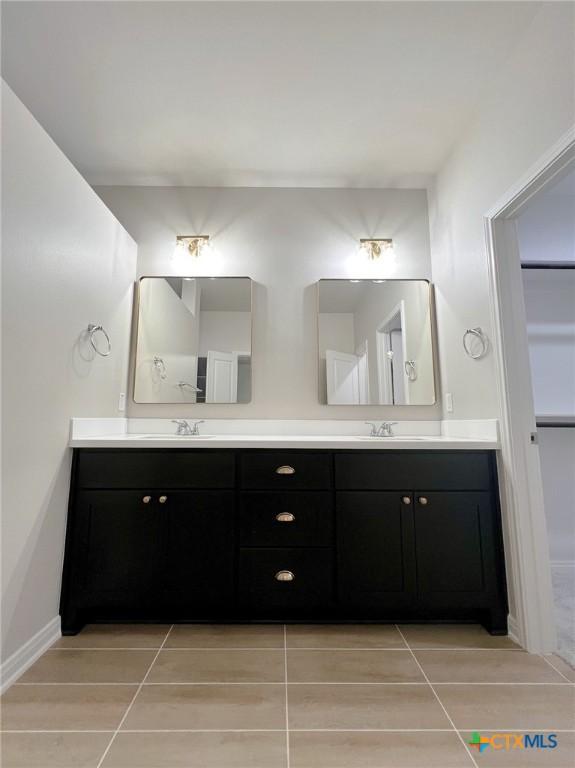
455, 548
125, 546
375, 552
200, 526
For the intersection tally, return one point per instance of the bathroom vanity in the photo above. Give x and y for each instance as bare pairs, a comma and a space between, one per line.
356, 531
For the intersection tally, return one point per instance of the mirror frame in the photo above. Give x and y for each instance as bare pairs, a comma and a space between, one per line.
432, 329
136, 331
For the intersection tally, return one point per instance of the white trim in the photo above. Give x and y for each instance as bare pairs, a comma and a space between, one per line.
512, 629
519, 469
16, 664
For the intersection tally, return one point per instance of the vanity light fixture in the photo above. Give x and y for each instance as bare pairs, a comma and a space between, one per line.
374, 247
194, 243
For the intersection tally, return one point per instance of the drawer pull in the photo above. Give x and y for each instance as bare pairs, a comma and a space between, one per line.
423, 500
163, 499
285, 517
285, 469
147, 499
406, 500
284, 576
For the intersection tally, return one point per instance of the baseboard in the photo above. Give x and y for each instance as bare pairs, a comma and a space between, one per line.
25, 656
562, 563
513, 629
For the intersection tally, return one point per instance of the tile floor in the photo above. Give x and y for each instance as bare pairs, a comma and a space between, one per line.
285, 697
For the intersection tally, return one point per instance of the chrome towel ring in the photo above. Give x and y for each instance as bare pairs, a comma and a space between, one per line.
410, 370
92, 331
470, 335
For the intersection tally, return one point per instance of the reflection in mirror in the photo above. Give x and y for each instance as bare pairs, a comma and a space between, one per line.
194, 340
375, 342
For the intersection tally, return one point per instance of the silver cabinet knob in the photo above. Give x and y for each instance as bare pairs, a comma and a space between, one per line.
284, 576
406, 500
285, 469
423, 500
285, 517
147, 499
163, 499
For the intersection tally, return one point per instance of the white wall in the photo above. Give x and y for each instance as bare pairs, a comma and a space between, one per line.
378, 303
286, 240
557, 453
530, 106
550, 308
167, 328
225, 331
547, 229
66, 262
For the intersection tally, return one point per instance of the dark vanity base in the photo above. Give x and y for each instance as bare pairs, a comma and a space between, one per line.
362, 536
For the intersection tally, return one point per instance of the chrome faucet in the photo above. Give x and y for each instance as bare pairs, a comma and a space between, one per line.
185, 430
384, 429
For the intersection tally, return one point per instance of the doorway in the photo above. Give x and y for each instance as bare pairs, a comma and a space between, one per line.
522, 497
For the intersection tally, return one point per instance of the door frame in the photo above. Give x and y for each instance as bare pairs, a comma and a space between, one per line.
384, 382
521, 486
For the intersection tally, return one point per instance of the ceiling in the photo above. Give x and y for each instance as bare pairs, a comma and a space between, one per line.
257, 94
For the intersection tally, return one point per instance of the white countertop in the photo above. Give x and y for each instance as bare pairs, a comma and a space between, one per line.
124, 433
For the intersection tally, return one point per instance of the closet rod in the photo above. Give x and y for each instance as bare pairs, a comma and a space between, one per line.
555, 424
548, 265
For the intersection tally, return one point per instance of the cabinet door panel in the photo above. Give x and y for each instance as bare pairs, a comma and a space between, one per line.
200, 531
454, 545
125, 547
375, 549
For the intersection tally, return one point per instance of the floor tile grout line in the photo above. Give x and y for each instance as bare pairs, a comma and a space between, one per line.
555, 668
297, 730
130, 705
447, 715
290, 648
567, 683
286, 695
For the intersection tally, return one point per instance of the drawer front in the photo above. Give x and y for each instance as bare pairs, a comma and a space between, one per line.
278, 519
286, 578
434, 470
155, 469
283, 470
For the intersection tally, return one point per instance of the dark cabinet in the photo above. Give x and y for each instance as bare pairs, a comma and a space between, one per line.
290, 519
255, 535
286, 583
375, 549
125, 548
456, 541
201, 546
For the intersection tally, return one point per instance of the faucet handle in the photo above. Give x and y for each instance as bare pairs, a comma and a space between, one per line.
195, 426
373, 428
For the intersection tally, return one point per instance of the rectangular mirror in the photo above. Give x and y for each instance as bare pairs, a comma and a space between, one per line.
194, 340
375, 342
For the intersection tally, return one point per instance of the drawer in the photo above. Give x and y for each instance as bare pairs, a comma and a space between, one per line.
311, 585
291, 519
168, 468
293, 470
433, 470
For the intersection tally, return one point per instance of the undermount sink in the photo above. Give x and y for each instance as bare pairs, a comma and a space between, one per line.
397, 437
159, 436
